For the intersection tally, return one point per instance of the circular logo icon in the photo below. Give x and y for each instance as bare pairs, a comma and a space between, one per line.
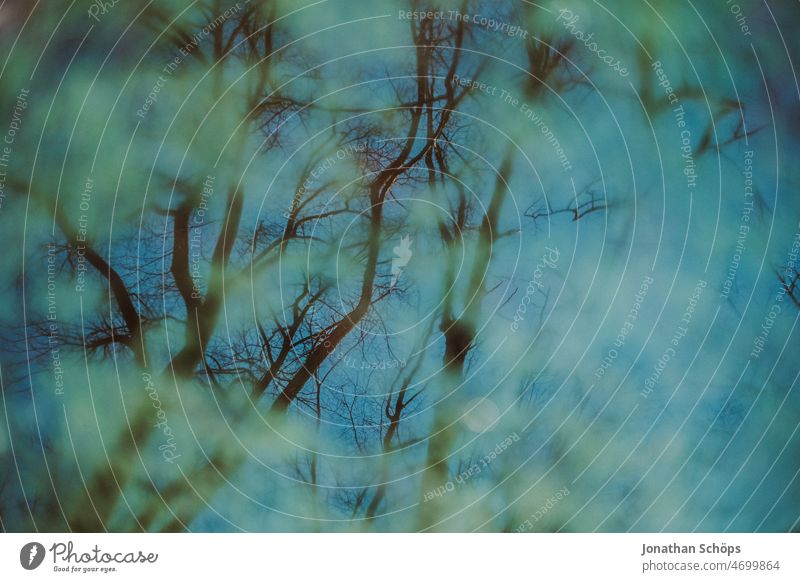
31, 555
